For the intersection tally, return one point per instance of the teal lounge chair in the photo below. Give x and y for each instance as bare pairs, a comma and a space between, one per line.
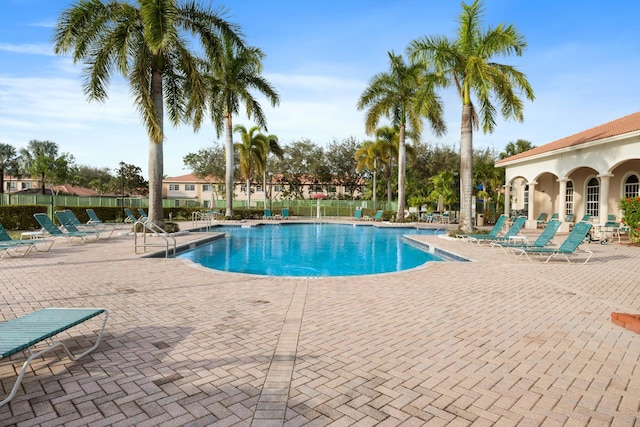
511, 232
568, 248
23, 333
105, 230
95, 219
542, 218
21, 248
70, 227
543, 239
378, 215
494, 232
357, 214
285, 213
131, 218
267, 214
143, 215
52, 230
554, 216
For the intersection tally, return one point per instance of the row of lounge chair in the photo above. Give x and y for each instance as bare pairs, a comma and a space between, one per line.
268, 215
360, 217
71, 229
511, 242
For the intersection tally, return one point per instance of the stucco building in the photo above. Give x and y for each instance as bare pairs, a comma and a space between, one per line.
585, 173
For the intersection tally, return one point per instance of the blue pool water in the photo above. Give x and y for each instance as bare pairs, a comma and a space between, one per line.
312, 250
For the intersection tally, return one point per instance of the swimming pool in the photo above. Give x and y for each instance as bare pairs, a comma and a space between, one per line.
312, 250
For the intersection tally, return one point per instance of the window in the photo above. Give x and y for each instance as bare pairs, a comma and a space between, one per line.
207, 187
189, 187
27, 184
243, 188
593, 197
258, 187
278, 188
631, 186
11, 185
525, 205
221, 188
174, 187
568, 197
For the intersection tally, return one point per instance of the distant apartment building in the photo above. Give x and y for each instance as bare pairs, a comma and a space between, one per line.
206, 191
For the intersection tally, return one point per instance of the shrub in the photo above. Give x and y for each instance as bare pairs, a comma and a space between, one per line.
631, 217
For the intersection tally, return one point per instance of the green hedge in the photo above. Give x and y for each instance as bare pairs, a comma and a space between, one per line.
14, 217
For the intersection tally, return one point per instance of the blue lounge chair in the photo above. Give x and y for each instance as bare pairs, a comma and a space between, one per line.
494, 232
542, 218
24, 332
52, 230
95, 219
543, 239
131, 218
568, 248
69, 226
104, 230
511, 232
554, 216
21, 248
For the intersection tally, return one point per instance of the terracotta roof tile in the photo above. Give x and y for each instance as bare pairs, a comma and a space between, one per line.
620, 126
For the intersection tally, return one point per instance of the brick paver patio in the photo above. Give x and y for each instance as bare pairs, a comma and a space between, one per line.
497, 341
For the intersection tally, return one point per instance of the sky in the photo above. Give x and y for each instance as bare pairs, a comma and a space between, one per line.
582, 60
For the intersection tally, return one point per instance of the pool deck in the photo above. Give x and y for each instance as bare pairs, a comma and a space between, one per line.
497, 341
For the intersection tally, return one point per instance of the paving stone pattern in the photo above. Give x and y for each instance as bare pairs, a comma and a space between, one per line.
497, 341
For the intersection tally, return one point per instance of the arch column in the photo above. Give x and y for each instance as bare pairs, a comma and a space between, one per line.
562, 201
603, 204
531, 218
507, 199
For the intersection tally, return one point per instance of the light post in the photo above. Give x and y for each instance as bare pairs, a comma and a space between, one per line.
270, 188
122, 190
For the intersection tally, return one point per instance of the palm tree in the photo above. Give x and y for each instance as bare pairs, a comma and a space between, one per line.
270, 146
8, 162
468, 62
443, 185
228, 84
388, 142
513, 148
367, 157
405, 94
252, 152
148, 44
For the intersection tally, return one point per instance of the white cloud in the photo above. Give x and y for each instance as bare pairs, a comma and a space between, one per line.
30, 49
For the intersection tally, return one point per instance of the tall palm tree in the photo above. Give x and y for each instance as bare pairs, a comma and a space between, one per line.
405, 94
368, 156
253, 154
513, 148
468, 62
147, 42
388, 145
271, 146
229, 83
8, 162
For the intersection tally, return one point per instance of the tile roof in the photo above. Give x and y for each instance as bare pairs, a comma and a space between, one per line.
620, 126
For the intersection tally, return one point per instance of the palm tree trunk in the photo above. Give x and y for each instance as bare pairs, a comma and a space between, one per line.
248, 192
375, 183
156, 154
388, 175
402, 159
466, 169
229, 164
